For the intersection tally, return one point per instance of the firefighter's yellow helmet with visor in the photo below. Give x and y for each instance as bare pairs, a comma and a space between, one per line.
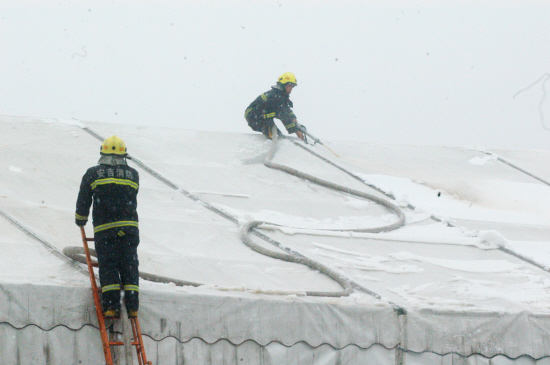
286, 78
113, 146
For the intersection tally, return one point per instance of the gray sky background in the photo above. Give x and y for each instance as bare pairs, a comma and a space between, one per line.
453, 73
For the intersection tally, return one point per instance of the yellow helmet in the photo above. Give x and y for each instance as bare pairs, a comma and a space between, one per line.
286, 78
113, 146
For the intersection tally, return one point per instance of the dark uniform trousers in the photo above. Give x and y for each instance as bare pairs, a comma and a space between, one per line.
260, 125
118, 268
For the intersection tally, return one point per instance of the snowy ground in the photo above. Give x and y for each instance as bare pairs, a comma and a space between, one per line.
426, 264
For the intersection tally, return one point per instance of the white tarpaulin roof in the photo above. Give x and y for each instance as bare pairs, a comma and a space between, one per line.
449, 290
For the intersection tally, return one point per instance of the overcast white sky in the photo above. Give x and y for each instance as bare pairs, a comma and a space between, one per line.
450, 73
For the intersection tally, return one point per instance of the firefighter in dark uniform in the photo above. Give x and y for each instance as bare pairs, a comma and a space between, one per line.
274, 103
113, 186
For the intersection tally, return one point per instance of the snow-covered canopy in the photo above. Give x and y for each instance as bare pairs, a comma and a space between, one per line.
475, 227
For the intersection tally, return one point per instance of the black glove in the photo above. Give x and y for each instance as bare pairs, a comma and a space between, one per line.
80, 222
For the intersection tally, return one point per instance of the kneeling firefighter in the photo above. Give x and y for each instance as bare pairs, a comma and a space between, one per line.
274, 103
113, 186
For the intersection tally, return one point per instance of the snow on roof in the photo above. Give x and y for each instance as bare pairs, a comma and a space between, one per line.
470, 211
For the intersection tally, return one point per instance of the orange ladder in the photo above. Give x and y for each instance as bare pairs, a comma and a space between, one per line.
137, 340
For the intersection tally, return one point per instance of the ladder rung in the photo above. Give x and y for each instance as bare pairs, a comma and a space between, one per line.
119, 343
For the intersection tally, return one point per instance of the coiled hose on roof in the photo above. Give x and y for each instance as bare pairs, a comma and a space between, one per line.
293, 256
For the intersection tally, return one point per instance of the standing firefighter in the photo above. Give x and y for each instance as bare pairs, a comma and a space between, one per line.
113, 186
274, 103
